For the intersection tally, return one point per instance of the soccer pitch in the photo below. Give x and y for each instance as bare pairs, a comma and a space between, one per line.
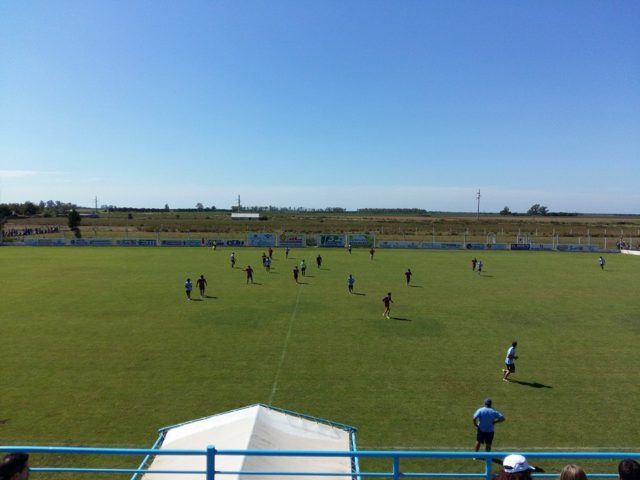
101, 347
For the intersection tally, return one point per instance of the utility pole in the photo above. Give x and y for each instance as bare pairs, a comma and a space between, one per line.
96, 204
239, 205
478, 198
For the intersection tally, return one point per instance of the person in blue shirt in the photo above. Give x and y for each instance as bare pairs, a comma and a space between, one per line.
484, 420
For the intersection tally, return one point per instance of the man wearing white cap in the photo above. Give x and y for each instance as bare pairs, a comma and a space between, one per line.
484, 420
515, 467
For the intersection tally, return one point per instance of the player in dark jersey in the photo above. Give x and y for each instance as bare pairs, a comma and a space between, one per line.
407, 275
270, 253
319, 261
387, 305
202, 284
249, 271
371, 252
296, 272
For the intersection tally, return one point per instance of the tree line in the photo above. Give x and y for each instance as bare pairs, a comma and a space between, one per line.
538, 210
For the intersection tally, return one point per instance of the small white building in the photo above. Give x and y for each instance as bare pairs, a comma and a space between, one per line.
245, 216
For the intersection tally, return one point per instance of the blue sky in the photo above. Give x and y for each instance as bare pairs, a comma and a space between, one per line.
322, 103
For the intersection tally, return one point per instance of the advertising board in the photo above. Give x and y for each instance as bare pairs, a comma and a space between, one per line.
475, 246
361, 240
520, 246
330, 240
398, 244
261, 239
234, 243
292, 240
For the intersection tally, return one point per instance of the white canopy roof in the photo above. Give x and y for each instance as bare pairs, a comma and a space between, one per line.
257, 427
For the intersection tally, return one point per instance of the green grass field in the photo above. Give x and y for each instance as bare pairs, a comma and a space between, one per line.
101, 347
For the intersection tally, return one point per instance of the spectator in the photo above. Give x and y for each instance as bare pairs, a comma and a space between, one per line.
629, 470
515, 467
573, 472
15, 466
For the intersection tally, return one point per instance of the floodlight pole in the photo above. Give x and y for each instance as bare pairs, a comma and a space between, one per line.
478, 198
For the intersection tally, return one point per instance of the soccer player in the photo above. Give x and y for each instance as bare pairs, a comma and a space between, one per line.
188, 286
349, 248
267, 264
371, 252
319, 261
601, 262
232, 259
510, 362
484, 419
480, 264
202, 284
474, 262
270, 253
249, 271
296, 272
303, 268
350, 282
407, 275
286, 252
387, 305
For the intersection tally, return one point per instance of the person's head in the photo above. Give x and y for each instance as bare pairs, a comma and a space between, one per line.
514, 344
15, 466
515, 467
487, 402
629, 470
188, 279
388, 294
201, 276
572, 472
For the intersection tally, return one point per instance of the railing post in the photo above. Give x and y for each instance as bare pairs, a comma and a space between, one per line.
211, 462
396, 467
487, 468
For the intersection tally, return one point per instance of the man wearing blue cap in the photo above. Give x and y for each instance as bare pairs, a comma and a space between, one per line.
484, 420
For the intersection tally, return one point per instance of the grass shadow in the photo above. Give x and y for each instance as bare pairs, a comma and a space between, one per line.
196, 299
210, 296
303, 283
361, 294
530, 384
400, 319
416, 286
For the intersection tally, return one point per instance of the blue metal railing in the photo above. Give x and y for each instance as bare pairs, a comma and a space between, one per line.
395, 457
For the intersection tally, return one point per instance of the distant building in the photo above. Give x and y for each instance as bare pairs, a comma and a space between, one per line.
245, 216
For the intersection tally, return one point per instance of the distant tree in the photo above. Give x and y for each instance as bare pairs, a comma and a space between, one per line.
29, 208
534, 210
505, 211
199, 206
130, 216
213, 207
166, 206
537, 209
74, 220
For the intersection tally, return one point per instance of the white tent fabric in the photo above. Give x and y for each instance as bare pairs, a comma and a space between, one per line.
256, 427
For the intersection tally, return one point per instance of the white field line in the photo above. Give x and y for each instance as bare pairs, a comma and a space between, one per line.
274, 388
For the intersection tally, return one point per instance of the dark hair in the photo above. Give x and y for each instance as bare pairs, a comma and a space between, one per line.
629, 469
524, 475
13, 463
514, 343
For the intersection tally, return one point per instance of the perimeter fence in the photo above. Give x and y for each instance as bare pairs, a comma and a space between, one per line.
395, 461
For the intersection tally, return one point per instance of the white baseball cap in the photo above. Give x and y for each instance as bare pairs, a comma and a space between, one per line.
515, 464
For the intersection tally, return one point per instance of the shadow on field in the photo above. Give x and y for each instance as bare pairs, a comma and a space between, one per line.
196, 299
210, 296
303, 283
361, 294
416, 286
400, 319
254, 283
530, 384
